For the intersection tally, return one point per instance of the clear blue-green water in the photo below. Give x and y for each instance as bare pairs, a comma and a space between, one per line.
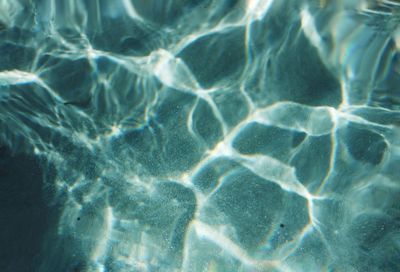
199, 135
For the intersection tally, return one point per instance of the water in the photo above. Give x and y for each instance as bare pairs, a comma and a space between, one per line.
202, 135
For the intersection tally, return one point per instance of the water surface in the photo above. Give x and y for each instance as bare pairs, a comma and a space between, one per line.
200, 135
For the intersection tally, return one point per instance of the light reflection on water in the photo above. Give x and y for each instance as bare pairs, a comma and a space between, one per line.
209, 135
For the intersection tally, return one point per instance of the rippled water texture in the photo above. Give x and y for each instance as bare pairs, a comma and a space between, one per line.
200, 135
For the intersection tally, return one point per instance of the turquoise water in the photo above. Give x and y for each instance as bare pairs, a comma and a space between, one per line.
203, 135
